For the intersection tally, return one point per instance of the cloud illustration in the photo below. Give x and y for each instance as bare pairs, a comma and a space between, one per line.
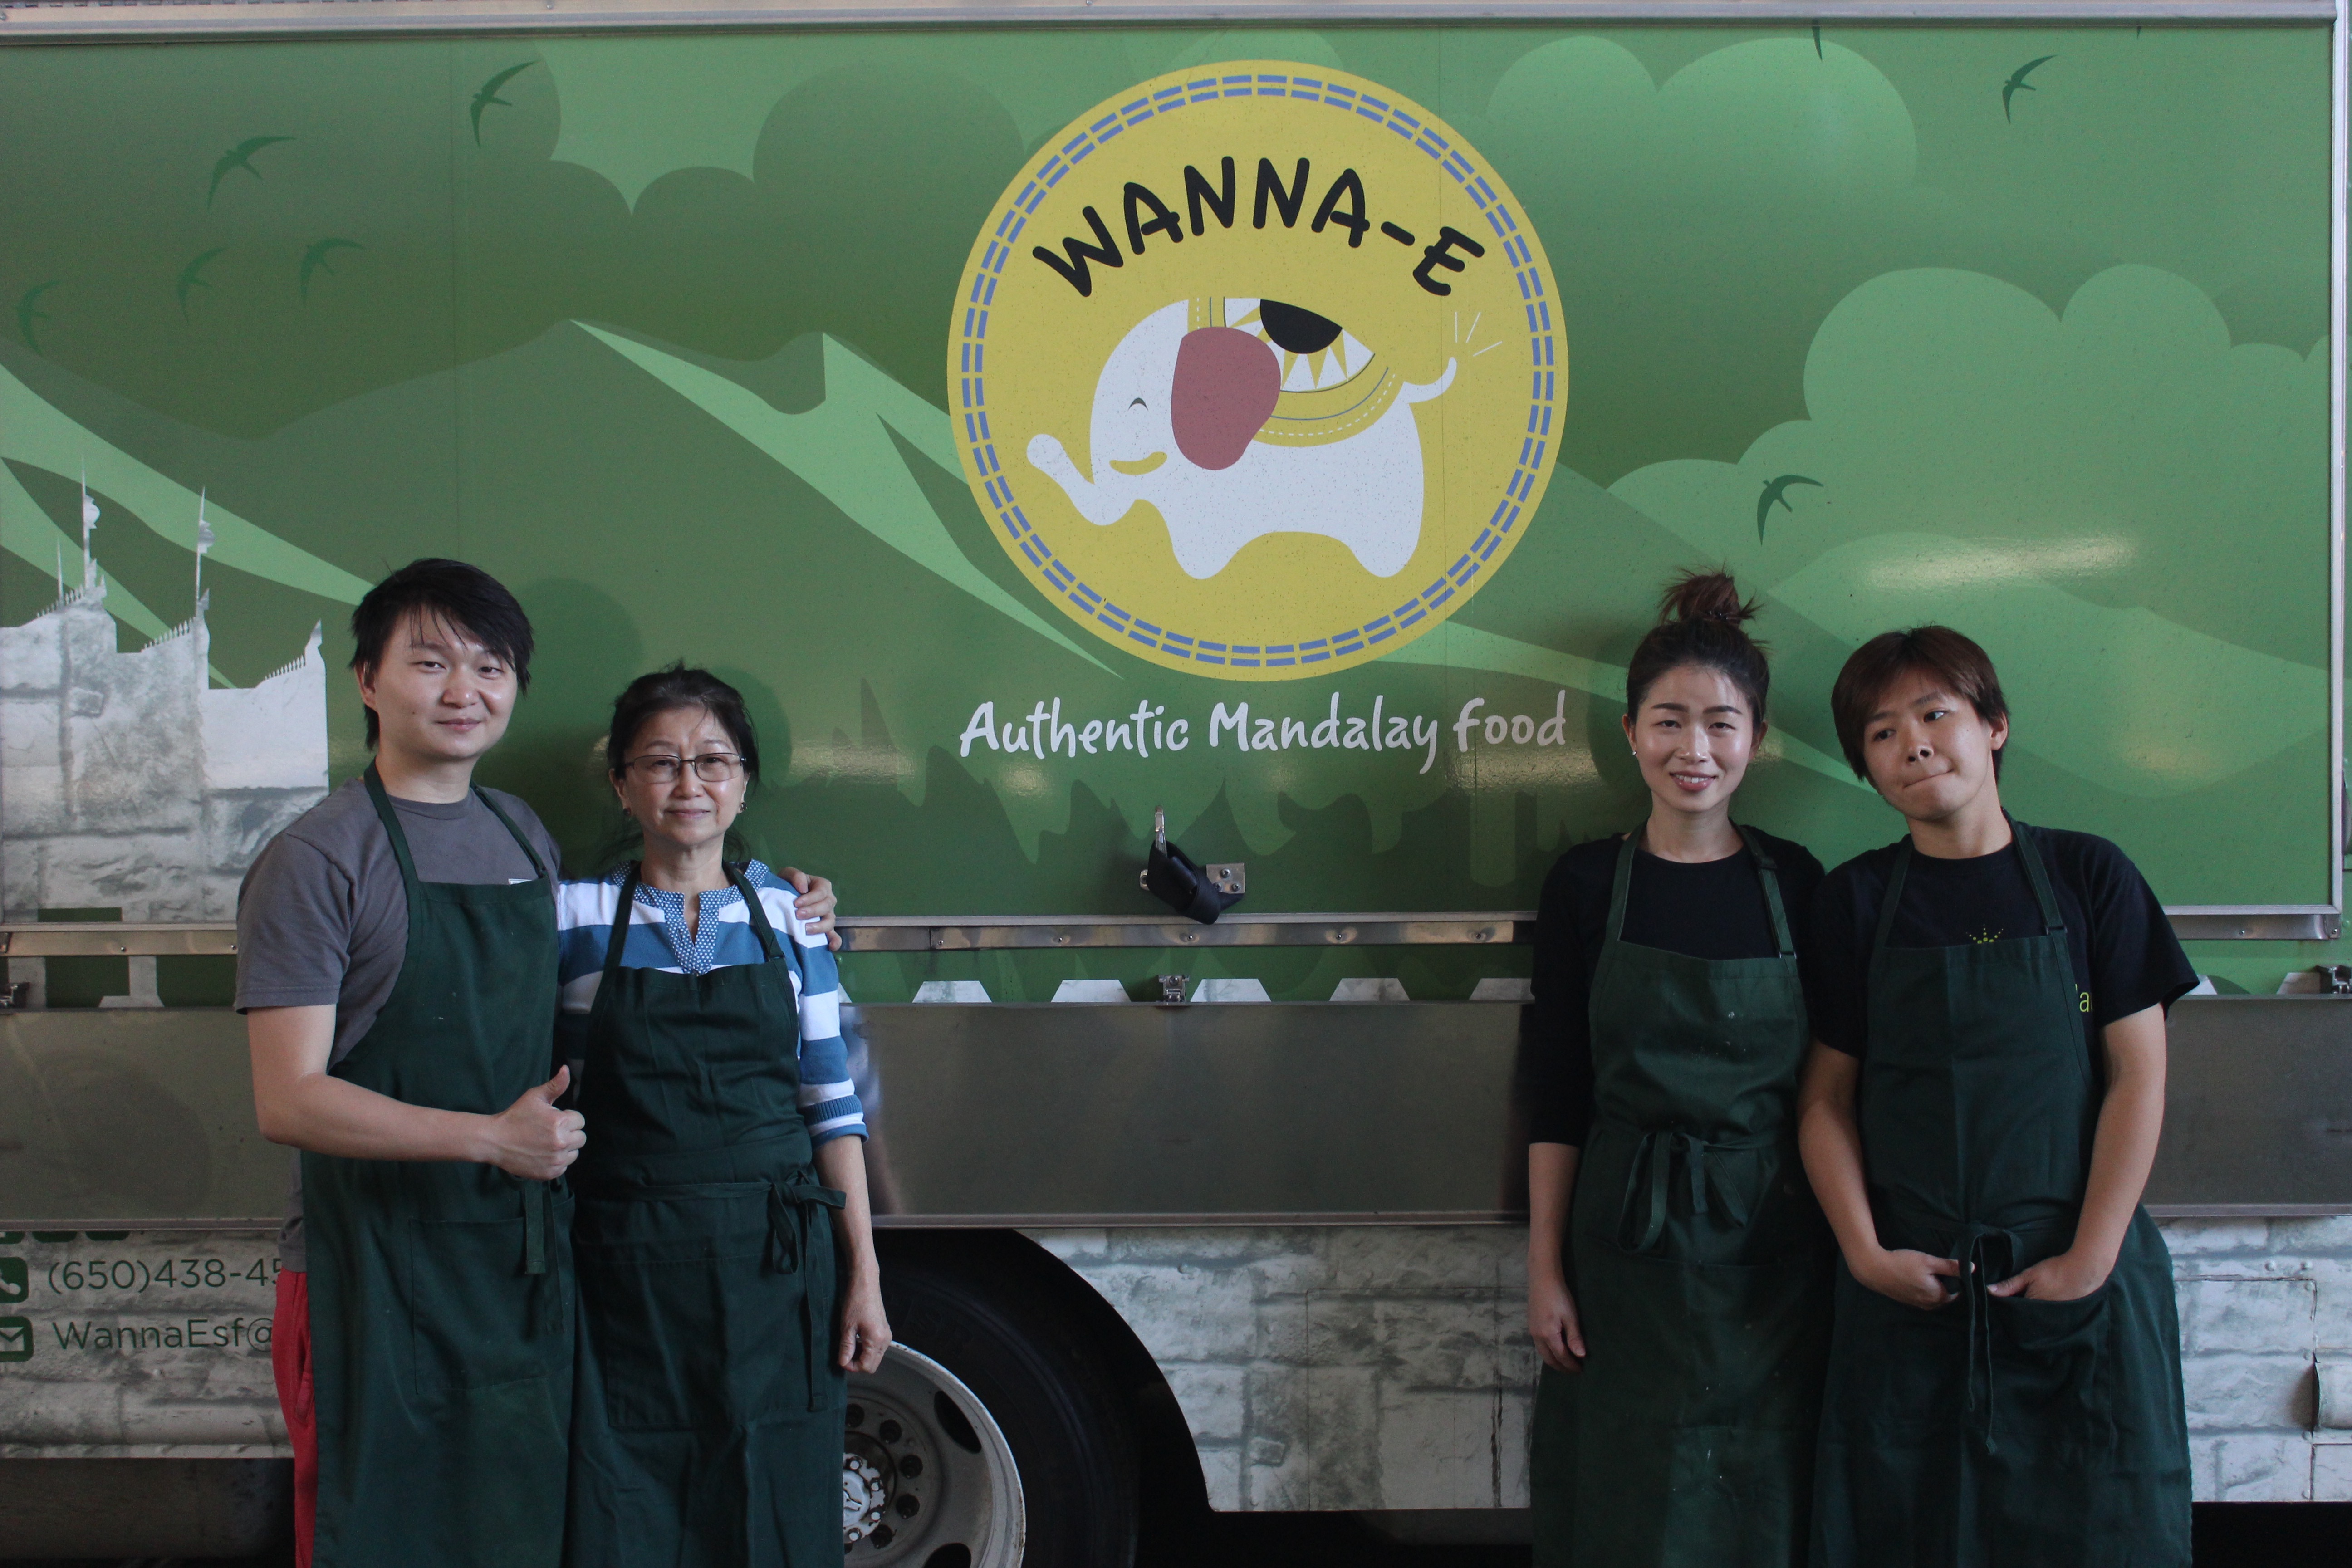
2125, 508
1704, 221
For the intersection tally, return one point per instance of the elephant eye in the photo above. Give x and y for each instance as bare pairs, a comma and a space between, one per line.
1296, 330
1139, 402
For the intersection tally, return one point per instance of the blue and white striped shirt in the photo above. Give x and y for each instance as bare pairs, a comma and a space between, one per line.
657, 938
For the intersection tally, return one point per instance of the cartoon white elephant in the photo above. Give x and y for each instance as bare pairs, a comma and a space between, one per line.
1279, 422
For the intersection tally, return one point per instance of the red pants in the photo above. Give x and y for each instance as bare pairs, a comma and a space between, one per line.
290, 1358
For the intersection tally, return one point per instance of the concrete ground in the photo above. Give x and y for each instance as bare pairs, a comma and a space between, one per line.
2229, 1535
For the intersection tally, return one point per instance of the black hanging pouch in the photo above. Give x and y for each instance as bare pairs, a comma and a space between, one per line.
1174, 881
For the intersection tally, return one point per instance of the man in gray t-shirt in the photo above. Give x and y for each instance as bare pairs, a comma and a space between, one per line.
324, 960
322, 919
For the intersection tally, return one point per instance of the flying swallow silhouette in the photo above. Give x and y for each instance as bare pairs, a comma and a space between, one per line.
239, 157
191, 276
27, 315
315, 258
2017, 84
489, 95
1776, 494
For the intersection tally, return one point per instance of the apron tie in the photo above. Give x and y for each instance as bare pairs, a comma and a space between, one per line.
538, 1219
789, 1203
534, 1228
1652, 1167
1976, 1283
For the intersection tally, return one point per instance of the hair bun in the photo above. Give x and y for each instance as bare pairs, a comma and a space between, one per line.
1705, 596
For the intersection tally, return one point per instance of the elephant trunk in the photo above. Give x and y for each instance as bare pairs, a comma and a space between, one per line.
1102, 500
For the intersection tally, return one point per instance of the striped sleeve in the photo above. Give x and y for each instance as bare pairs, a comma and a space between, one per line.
829, 1101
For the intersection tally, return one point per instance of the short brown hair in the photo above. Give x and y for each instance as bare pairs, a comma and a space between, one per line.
1962, 667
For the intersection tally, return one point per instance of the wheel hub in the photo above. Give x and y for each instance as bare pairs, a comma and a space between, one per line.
862, 1498
925, 1471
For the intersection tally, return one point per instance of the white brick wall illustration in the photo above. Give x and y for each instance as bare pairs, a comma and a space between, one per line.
1334, 1367
127, 782
1389, 1367
2263, 1303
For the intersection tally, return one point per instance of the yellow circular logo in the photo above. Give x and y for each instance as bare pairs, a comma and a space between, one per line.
1257, 371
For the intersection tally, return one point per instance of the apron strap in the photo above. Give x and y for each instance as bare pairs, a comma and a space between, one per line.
1892, 899
538, 1221
538, 867
790, 1205
2035, 873
1766, 872
534, 1228
1616, 926
759, 914
391, 819
618, 937
1770, 875
383, 802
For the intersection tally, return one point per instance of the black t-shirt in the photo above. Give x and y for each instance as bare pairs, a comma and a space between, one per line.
1712, 909
2126, 957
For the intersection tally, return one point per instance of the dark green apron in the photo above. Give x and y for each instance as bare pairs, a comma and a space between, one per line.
1701, 1269
1995, 1429
440, 1317
708, 1427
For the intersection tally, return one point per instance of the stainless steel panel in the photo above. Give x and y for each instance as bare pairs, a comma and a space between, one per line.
968, 933
105, 938
133, 1117
2222, 924
2258, 1112
1242, 1113
931, 933
1234, 1113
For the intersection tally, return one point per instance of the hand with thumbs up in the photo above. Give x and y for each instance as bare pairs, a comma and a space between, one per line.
532, 1138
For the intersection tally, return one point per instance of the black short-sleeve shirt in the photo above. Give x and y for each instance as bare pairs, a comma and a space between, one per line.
1714, 908
2126, 957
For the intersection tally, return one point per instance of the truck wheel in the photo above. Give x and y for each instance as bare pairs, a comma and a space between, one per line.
927, 1478
1024, 1457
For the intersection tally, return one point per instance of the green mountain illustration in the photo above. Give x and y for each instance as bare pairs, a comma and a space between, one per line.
33, 432
843, 447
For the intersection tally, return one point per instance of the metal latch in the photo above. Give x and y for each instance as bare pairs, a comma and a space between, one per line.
2319, 980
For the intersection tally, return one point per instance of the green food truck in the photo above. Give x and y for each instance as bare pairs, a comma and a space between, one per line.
854, 353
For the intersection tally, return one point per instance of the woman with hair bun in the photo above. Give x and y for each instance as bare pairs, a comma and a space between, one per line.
724, 1178
1677, 1265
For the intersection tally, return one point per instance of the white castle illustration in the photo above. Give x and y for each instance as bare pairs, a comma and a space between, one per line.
127, 781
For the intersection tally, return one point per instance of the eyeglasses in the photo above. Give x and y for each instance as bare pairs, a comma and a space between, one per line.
711, 767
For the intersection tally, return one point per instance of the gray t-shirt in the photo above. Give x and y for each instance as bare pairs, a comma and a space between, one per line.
322, 918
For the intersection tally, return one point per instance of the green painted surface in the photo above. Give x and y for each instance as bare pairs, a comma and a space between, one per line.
656, 329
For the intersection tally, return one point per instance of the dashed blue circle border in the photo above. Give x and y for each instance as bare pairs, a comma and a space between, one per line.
981, 444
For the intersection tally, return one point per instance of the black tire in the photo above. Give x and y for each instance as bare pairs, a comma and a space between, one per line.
990, 1310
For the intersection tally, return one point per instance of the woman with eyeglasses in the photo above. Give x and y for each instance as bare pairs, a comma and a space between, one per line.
727, 1168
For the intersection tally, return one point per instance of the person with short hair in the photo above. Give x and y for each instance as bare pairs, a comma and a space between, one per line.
1980, 1110
396, 965
725, 1243
1677, 1266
